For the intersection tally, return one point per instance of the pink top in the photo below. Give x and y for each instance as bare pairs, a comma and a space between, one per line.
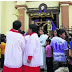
49, 52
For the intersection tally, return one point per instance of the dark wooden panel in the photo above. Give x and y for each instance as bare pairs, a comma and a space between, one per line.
48, 11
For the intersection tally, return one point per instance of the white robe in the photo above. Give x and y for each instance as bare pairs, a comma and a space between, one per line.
42, 41
14, 48
27, 38
46, 36
33, 49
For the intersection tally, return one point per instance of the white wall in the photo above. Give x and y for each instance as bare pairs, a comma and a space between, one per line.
0, 15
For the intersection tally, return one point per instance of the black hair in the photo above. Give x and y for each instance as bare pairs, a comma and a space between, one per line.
19, 31
2, 35
60, 32
16, 25
22, 32
33, 27
52, 34
56, 29
48, 40
42, 30
45, 32
3, 38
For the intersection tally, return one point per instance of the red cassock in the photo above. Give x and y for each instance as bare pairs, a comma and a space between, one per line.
31, 69
7, 69
32, 52
13, 52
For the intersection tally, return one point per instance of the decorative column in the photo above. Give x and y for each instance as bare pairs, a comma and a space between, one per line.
21, 10
65, 15
22, 18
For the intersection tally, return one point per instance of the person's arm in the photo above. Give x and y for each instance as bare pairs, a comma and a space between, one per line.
42, 41
67, 53
0, 45
51, 47
52, 50
46, 50
1, 48
32, 46
65, 46
70, 52
29, 59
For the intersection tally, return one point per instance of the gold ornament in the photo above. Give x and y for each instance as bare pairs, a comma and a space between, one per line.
17, 14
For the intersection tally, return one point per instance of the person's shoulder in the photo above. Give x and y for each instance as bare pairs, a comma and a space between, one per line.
34, 35
63, 40
71, 41
53, 38
2, 43
48, 46
27, 36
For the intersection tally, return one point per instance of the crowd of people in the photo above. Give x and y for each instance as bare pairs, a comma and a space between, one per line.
58, 51
35, 51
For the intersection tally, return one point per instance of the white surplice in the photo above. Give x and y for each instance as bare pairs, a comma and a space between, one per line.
27, 38
14, 49
33, 49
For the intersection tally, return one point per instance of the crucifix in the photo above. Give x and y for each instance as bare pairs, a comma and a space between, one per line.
17, 14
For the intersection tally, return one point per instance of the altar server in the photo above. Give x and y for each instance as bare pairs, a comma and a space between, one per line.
33, 51
14, 49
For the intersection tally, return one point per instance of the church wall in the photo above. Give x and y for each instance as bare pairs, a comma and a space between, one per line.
20, 2
0, 14
70, 16
7, 17
3, 29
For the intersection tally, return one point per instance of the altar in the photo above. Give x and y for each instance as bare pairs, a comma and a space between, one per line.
46, 18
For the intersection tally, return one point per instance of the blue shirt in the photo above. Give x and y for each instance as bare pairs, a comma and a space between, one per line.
59, 46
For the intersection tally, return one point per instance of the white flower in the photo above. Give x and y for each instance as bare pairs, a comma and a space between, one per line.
42, 7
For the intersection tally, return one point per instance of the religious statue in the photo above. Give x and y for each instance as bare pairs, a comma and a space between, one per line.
49, 25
